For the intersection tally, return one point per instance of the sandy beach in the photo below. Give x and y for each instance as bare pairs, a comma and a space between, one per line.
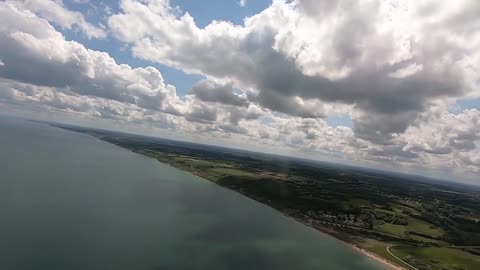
333, 233
377, 258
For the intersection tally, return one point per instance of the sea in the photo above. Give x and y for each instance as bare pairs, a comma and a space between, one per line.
69, 201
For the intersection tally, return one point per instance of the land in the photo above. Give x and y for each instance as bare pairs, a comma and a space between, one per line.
407, 221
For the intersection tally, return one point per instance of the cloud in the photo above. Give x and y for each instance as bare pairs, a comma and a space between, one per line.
270, 82
81, 1
212, 92
55, 11
202, 113
242, 3
34, 52
385, 59
236, 114
446, 131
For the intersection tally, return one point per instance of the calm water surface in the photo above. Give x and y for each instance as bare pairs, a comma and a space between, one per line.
70, 201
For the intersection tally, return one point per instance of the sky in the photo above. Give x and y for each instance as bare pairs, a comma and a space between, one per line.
387, 84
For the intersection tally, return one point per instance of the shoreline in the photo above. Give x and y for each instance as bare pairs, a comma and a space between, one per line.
390, 265
376, 258
382, 261
372, 256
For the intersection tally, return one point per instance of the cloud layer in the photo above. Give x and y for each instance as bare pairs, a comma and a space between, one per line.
393, 67
390, 60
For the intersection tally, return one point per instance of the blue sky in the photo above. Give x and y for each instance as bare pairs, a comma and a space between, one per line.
228, 10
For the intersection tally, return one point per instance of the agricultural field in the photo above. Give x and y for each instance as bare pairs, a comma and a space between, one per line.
437, 258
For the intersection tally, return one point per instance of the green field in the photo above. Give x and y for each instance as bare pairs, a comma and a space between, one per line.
353, 203
197, 163
414, 225
423, 227
433, 258
393, 229
378, 248
424, 258
427, 240
401, 209
233, 172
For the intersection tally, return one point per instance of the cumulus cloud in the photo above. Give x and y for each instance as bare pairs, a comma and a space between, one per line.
202, 113
382, 57
34, 52
445, 133
252, 112
209, 91
55, 11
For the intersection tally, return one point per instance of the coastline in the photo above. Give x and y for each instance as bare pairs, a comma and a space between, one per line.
330, 232
386, 263
390, 265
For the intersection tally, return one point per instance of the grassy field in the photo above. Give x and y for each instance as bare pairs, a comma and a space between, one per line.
425, 258
427, 240
353, 203
197, 162
211, 170
378, 248
401, 209
423, 227
433, 258
394, 229
414, 224
234, 172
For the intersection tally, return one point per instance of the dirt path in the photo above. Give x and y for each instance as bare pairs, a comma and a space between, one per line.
409, 265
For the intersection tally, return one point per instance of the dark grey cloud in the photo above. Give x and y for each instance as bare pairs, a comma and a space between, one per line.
233, 129
381, 128
290, 105
393, 151
466, 140
465, 20
239, 113
212, 92
202, 113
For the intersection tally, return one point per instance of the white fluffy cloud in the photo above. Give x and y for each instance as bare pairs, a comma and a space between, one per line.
55, 11
33, 52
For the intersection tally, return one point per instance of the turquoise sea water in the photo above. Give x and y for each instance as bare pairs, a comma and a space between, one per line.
70, 201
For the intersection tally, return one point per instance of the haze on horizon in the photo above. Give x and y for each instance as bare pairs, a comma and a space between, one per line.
385, 84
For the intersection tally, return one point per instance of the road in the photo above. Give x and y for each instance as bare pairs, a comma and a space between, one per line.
409, 265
